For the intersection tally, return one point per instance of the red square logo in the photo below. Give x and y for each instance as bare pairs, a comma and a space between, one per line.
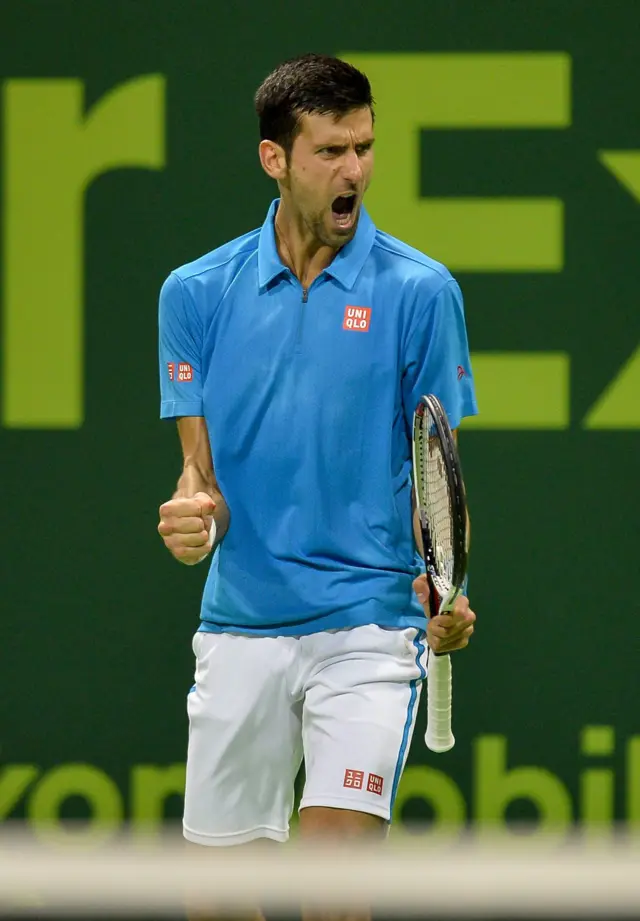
171, 368
185, 371
353, 779
357, 319
374, 784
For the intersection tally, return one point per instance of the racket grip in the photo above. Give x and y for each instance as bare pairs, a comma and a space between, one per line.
439, 737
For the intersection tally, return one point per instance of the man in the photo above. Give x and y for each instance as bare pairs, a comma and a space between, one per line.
293, 359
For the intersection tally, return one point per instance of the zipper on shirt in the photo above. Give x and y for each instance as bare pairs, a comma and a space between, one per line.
305, 298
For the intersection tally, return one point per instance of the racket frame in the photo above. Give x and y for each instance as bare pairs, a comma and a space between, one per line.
457, 493
443, 595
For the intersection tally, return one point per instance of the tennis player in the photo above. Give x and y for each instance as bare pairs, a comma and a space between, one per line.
293, 358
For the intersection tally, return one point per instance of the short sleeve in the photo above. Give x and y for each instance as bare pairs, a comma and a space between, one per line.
180, 352
437, 357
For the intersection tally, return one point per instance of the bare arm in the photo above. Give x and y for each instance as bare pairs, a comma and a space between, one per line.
196, 518
198, 475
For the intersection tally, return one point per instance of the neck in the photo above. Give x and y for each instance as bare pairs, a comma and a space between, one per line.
297, 247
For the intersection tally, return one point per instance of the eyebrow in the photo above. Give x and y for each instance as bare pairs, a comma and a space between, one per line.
328, 145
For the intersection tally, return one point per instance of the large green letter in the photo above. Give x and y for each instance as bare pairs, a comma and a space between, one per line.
151, 786
436, 788
414, 92
14, 780
83, 780
597, 785
52, 152
521, 390
619, 406
633, 783
496, 787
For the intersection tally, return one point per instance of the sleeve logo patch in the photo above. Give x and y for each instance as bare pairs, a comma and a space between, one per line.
180, 371
357, 319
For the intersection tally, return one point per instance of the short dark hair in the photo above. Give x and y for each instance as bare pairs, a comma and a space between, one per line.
313, 84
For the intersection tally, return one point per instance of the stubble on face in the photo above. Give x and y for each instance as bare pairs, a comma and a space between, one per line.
329, 170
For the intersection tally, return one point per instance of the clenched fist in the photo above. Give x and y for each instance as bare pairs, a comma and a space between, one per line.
187, 527
446, 632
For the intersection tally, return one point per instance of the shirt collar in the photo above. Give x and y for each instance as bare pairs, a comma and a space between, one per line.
269, 263
346, 266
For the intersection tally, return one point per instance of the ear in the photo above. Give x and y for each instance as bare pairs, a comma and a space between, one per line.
273, 160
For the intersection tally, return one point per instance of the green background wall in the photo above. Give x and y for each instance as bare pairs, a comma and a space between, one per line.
96, 619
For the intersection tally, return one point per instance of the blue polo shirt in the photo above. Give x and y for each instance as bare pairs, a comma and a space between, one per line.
308, 398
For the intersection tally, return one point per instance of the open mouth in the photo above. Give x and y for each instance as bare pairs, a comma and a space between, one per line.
343, 209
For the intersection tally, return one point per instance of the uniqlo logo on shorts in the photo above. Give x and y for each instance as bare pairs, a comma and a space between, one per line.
357, 319
374, 784
353, 779
171, 368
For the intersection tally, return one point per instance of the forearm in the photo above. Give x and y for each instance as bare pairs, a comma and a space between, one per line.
197, 478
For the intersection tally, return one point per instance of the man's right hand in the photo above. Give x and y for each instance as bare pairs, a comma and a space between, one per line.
185, 527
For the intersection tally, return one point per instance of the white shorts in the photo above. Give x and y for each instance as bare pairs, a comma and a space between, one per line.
345, 700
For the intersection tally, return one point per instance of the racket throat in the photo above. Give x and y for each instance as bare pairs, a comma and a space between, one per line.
435, 599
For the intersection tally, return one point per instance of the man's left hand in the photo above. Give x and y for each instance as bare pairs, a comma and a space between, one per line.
446, 632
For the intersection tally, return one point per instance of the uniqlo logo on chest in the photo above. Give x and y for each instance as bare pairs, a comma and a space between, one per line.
357, 319
374, 784
180, 371
353, 779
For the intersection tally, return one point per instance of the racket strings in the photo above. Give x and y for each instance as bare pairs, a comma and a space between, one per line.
435, 498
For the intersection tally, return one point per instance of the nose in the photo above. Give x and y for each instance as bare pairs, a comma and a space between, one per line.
352, 168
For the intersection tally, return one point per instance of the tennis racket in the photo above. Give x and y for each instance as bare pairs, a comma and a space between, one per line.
442, 510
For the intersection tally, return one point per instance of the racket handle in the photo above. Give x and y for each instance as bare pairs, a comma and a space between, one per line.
439, 737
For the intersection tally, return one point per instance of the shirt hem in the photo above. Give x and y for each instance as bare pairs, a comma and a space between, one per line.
169, 409
234, 838
319, 625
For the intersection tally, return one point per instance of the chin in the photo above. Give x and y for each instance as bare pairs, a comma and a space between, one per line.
339, 236
345, 236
